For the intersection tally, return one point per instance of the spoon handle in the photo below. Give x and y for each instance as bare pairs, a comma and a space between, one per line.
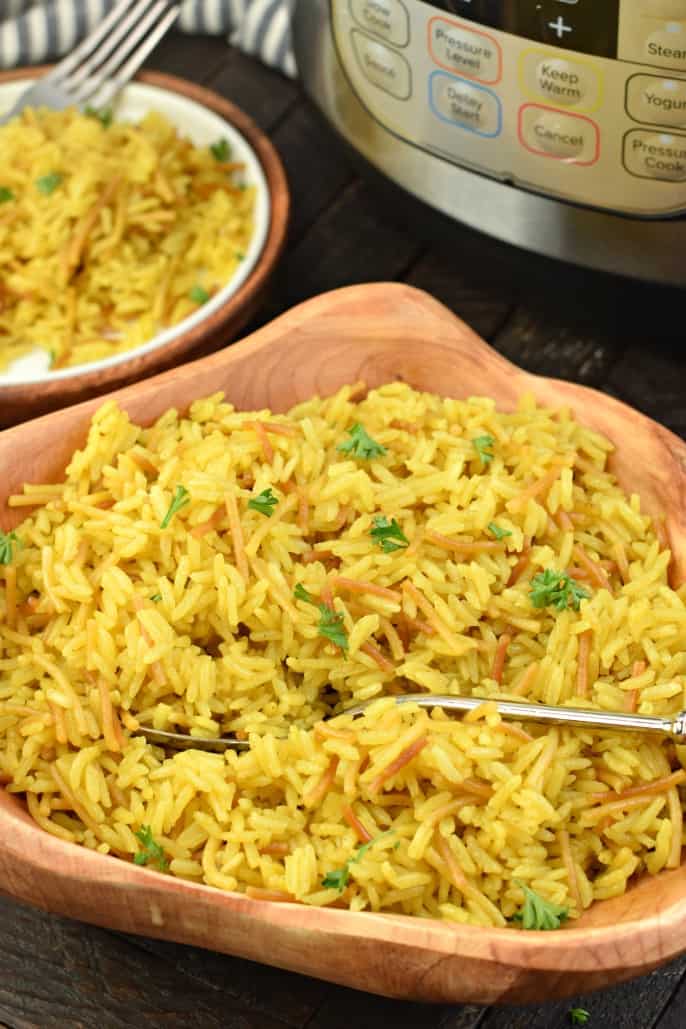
673, 727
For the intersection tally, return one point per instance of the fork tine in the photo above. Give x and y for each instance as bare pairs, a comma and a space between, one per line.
124, 34
105, 61
110, 89
149, 26
72, 60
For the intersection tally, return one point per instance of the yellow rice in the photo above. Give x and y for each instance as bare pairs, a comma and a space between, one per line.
109, 620
110, 233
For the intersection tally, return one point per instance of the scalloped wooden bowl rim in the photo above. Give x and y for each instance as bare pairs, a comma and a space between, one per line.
378, 333
24, 397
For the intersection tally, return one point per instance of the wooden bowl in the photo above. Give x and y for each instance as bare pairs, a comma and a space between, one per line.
378, 333
27, 399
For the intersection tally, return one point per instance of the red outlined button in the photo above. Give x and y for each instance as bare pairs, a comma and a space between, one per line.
547, 132
464, 51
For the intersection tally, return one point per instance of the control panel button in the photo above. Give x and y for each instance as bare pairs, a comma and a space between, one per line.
465, 104
666, 47
655, 155
382, 66
560, 27
559, 80
460, 49
657, 101
386, 18
566, 137
663, 8
563, 82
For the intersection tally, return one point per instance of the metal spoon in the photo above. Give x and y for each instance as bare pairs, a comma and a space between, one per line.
671, 726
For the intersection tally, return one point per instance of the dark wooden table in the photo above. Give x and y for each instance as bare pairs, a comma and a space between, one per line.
617, 337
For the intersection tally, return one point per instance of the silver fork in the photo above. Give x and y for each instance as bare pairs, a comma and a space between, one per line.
105, 61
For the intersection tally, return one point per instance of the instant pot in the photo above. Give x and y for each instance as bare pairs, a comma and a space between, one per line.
558, 126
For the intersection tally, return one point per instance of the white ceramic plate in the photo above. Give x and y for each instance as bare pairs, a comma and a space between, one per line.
202, 127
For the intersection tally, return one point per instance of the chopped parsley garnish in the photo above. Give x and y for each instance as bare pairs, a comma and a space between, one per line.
103, 115
331, 627
388, 535
264, 502
340, 877
47, 184
361, 444
156, 597
300, 593
239, 255
496, 531
483, 446
538, 913
181, 498
5, 194
152, 852
579, 1016
556, 589
330, 622
199, 295
221, 150
8, 541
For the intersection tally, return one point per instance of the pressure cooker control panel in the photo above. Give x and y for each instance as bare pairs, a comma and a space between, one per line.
579, 99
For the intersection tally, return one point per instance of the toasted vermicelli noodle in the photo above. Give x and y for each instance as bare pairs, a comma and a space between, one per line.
110, 233
157, 585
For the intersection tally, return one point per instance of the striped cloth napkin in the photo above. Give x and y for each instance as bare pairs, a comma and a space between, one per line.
32, 31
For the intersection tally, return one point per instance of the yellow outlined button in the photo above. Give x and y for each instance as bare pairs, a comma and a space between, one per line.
568, 82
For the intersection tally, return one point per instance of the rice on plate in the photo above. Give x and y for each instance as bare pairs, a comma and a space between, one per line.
112, 231
229, 572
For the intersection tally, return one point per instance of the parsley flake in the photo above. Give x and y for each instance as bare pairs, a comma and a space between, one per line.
5, 194
264, 502
556, 589
331, 627
496, 531
199, 295
579, 1016
388, 535
300, 593
340, 877
538, 913
8, 541
47, 184
483, 446
152, 852
181, 498
361, 444
330, 622
156, 597
221, 150
103, 115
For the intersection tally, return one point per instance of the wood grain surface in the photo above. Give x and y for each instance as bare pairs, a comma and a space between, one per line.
27, 400
625, 340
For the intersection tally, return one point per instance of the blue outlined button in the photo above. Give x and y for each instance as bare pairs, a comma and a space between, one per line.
465, 104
